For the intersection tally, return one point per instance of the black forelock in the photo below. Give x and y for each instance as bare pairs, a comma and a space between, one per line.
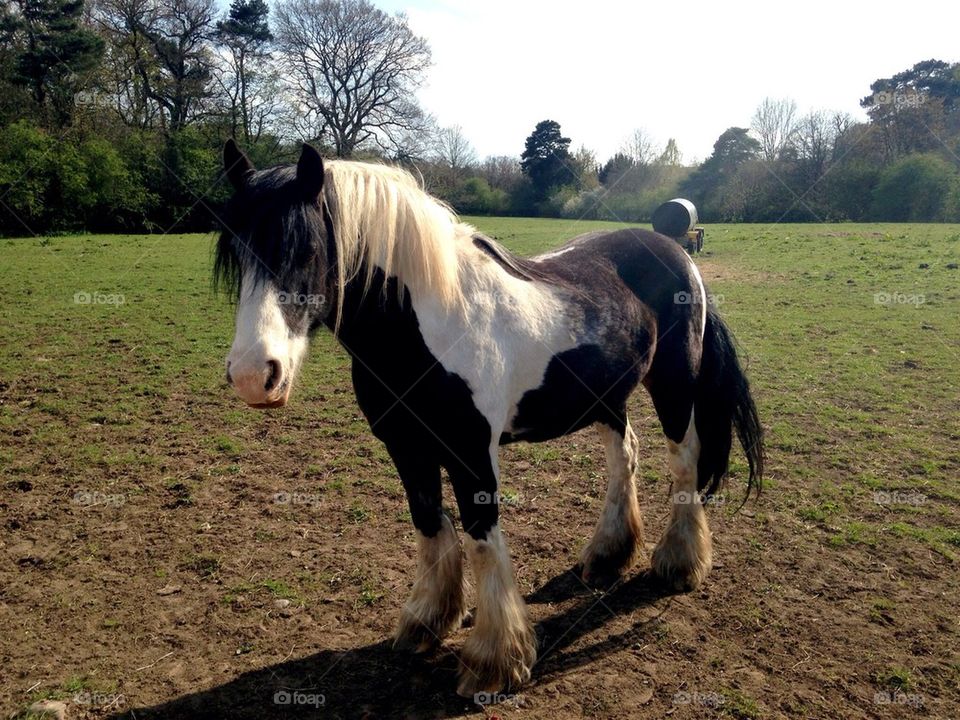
269, 230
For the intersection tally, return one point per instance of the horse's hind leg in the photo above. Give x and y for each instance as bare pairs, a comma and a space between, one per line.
436, 605
683, 555
618, 535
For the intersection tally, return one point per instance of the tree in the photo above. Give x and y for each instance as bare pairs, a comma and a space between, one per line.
813, 139
245, 33
57, 57
671, 155
546, 159
911, 108
640, 148
179, 40
160, 59
614, 169
585, 168
129, 61
502, 172
354, 68
14, 99
774, 123
914, 189
733, 148
453, 150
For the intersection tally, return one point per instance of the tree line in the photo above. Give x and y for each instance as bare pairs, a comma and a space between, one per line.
113, 113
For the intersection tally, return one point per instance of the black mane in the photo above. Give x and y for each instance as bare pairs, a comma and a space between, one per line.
270, 231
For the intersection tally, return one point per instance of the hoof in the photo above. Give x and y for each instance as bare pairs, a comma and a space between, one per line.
603, 569
414, 635
681, 571
493, 667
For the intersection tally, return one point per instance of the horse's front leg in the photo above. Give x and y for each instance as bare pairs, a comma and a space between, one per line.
502, 648
436, 605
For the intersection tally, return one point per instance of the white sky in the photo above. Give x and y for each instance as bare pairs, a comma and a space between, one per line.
687, 70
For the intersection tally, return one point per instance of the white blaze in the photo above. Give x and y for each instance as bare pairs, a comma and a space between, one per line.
262, 336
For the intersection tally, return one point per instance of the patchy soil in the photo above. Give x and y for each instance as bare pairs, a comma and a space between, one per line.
174, 556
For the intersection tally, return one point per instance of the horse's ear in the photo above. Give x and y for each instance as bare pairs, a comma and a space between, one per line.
310, 172
237, 165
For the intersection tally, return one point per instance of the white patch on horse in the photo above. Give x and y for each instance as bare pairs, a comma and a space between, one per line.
703, 298
571, 245
262, 336
505, 337
684, 553
556, 253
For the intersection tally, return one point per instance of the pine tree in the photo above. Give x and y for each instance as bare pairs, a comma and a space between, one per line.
246, 33
546, 159
56, 56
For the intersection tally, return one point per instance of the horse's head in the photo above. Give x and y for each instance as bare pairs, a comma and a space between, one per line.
275, 252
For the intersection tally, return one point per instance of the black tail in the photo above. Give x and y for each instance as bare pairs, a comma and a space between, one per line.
723, 404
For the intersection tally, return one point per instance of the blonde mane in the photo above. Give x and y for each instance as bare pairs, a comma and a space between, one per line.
383, 218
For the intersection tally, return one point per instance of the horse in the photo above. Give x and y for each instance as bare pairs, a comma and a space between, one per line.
458, 347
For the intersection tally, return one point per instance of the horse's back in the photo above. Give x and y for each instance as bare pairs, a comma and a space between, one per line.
652, 266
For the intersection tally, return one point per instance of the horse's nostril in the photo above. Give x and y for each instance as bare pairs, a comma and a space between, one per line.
273, 379
229, 378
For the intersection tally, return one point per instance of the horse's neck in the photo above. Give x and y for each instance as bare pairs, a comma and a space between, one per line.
366, 310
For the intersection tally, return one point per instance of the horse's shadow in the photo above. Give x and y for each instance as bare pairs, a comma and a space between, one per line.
376, 681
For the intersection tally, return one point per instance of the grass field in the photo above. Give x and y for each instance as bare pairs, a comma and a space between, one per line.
163, 547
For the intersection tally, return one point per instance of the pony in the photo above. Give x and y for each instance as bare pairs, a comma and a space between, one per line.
459, 346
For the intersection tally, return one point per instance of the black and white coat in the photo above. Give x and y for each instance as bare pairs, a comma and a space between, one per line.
459, 347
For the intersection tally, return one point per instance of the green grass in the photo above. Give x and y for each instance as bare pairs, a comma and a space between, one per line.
897, 679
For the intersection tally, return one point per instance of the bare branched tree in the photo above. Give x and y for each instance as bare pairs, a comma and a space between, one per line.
640, 147
502, 172
641, 152
774, 124
842, 123
813, 142
671, 155
453, 149
355, 68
